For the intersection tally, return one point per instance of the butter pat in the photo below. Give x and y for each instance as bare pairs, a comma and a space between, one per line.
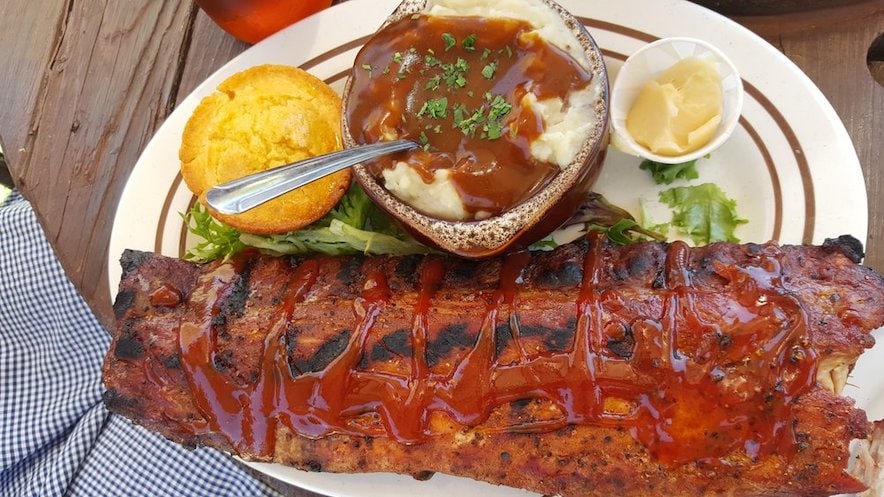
680, 110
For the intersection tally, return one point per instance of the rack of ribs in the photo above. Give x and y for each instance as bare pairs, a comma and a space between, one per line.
592, 369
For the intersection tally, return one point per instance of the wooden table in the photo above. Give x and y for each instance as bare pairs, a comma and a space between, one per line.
86, 83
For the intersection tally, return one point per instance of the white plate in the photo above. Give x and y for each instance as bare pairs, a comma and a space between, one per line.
790, 165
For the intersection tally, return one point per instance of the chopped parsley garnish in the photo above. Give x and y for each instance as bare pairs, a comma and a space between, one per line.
436, 108
449, 40
492, 123
453, 72
468, 126
469, 43
488, 70
430, 60
367, 68
454, 75
498, 109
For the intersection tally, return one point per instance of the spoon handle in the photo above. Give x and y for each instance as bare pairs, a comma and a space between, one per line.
240, 195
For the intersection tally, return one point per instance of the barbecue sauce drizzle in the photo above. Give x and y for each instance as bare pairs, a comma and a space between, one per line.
650, 394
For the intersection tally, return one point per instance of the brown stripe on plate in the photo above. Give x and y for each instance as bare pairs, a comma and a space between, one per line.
767, 105
807, 180
182, 238
337, 77
617, 28
774, 177
800, 158
350, 45
765, 153
164, 214
176, 183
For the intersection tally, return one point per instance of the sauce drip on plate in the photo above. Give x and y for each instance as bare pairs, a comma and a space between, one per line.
708, 374
456, 85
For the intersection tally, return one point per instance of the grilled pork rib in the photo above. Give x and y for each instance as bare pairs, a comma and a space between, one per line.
593, 369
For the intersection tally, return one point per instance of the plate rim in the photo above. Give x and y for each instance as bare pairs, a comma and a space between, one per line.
352, 7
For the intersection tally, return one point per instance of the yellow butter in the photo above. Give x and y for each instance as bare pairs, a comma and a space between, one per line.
679, 111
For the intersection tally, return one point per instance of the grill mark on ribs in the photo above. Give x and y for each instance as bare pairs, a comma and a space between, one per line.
532, 323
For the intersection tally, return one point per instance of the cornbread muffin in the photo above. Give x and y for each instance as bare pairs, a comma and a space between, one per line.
260, 118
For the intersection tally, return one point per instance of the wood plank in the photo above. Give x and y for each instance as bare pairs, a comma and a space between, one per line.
30, 37
108, 86
211, 48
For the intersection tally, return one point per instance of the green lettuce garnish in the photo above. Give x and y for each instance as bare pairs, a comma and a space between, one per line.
703, 212
354, 226
665, 174
219, 240
596, 213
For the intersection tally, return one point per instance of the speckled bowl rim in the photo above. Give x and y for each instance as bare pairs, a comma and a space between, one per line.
495, 234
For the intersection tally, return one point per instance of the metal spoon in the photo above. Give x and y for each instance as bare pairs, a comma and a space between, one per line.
240, 195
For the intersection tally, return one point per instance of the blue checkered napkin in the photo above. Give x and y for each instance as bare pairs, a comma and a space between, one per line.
56, 437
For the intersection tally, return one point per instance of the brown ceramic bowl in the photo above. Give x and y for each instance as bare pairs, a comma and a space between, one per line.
526, 222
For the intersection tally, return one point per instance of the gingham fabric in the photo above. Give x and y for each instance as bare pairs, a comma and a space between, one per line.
56, 437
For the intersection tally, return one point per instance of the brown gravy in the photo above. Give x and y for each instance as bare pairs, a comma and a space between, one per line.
455, 84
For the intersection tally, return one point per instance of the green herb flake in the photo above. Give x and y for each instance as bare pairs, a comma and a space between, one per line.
367, 68
489, 70
498, 109
397, 57
459, 111
703, 212
454, 75
387, 70
436, 108
665, 174
469, 125
486, 53
449, 40
437, 129
423, 139
431, 61
469, 43
434, 82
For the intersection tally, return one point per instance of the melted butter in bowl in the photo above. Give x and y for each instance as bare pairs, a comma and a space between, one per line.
675, 100
509, 99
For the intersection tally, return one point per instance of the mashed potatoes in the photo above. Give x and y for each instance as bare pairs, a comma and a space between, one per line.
508, 71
